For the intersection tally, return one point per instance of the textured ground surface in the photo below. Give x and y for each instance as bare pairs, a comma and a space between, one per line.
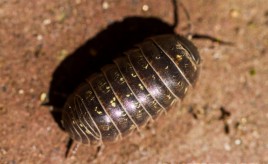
39, 54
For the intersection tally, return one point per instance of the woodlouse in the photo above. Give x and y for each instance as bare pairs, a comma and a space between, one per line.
135, 89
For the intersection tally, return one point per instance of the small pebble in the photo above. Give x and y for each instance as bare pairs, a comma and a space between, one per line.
39, 37
238, 142
227, 147
48, 128
3, 151
244, 120
145, 8
105, 5
234, 13
43, 97
21, 91
47, 21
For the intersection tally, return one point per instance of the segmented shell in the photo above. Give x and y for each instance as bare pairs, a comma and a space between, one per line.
137, 88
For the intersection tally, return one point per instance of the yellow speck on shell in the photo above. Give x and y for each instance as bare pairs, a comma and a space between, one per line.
141, 87
98, 111
146, 66
112, 102
179, 57
169, 97
88, 132
133, 75
178, 45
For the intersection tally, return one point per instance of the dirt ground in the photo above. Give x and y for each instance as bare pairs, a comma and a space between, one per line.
48, 47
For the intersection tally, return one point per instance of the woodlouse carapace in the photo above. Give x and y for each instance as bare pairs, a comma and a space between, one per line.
137, 88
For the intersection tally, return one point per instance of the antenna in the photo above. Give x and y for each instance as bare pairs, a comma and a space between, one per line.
177, 15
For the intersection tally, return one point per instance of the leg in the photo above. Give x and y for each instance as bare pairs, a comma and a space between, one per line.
211, 38
99, 151
71, 148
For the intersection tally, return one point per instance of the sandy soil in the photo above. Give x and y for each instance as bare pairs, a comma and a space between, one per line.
48, 47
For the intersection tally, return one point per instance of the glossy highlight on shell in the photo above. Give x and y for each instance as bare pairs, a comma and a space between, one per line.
137, 88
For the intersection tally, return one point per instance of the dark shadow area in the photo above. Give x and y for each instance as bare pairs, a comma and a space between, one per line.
97, 52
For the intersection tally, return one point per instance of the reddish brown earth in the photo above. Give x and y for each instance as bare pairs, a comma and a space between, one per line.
38, 37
